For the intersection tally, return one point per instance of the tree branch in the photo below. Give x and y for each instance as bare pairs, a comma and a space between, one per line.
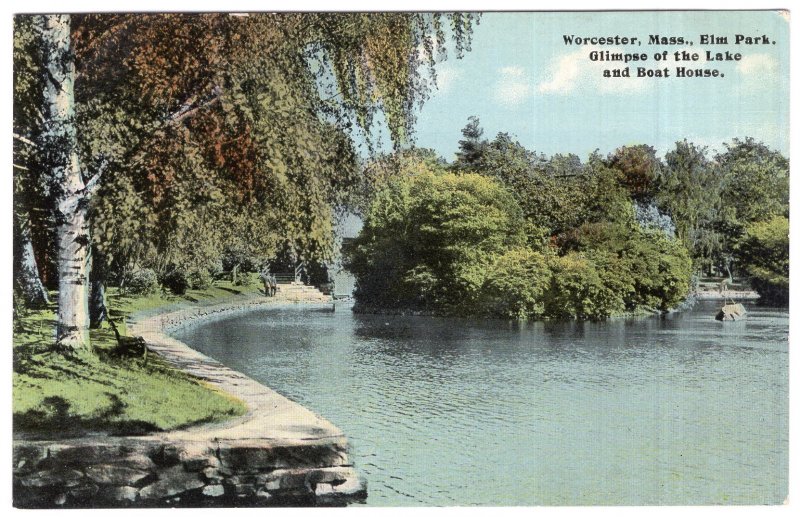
178, 116
93, 183
25, 140
91, 186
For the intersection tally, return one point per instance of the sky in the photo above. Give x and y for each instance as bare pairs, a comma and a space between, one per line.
521, 78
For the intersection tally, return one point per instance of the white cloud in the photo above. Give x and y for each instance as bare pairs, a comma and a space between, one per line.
445, 77
758, 71
758, 65
575, 71
513, 86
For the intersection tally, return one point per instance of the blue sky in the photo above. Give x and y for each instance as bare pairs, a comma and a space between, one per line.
521, 78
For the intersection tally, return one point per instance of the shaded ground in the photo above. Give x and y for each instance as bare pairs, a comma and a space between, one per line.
110, 391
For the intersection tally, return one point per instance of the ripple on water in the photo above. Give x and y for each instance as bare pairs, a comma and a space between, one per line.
674, 410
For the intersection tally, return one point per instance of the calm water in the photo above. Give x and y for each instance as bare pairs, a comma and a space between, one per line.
674, 410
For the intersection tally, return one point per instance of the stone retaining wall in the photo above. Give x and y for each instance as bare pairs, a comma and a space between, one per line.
279, 453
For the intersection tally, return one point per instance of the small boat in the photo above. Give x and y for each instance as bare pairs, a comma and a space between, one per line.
731, 312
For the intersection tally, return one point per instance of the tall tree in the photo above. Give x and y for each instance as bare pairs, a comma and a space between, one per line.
30, 190
690, 194
472, 146
763, 253
639, 170
60, 144
755, 181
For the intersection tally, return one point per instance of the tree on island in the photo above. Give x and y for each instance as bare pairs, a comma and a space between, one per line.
458, 244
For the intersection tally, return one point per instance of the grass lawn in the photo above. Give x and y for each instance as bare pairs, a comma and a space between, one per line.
107, 391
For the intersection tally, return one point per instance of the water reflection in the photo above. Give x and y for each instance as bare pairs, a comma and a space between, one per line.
679, 409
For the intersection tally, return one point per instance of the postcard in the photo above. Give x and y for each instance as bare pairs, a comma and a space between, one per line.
403, 258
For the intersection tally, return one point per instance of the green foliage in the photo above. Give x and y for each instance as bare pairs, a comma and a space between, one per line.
214, 130
554, 194
578, 291
764, 255
382, 169
459, 244
756, 181
711, 202
690, 194
141, 282
645, 269
429, 240
517, 285
177, 281
472, 147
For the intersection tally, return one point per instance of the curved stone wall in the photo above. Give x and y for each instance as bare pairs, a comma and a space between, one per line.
278, 453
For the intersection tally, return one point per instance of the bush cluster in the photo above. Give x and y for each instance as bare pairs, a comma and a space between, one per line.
457, 244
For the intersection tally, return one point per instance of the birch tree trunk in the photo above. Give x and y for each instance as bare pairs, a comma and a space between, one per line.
61, 148
26, 270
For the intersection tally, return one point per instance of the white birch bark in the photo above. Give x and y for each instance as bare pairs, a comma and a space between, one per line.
61, 146
26, 268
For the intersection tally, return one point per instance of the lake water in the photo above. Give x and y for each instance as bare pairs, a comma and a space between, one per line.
675, 410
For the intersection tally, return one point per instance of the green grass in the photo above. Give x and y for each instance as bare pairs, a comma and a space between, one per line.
108, 391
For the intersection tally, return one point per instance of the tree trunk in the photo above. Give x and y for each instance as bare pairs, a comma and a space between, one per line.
26, 270
61, 147
98, 311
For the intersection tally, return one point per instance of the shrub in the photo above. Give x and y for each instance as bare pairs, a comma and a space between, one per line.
578, 291
200, 279
517, 285
646, 267
141, 282
245, 279
176, 280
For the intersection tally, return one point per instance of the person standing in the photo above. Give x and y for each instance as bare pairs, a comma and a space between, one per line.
273, 285
265, 279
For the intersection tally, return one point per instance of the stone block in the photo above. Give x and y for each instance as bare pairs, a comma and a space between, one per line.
166, 456
137, 461
213, 490
83, 454
353, 487
332, 475
53, 478
25, 458
116, 475
122, 493
263, 495
172, 481
213, 474
283, 479
197, 456
84, 493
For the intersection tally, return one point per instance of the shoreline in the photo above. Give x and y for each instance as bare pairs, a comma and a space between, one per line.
278, 453
748, 295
